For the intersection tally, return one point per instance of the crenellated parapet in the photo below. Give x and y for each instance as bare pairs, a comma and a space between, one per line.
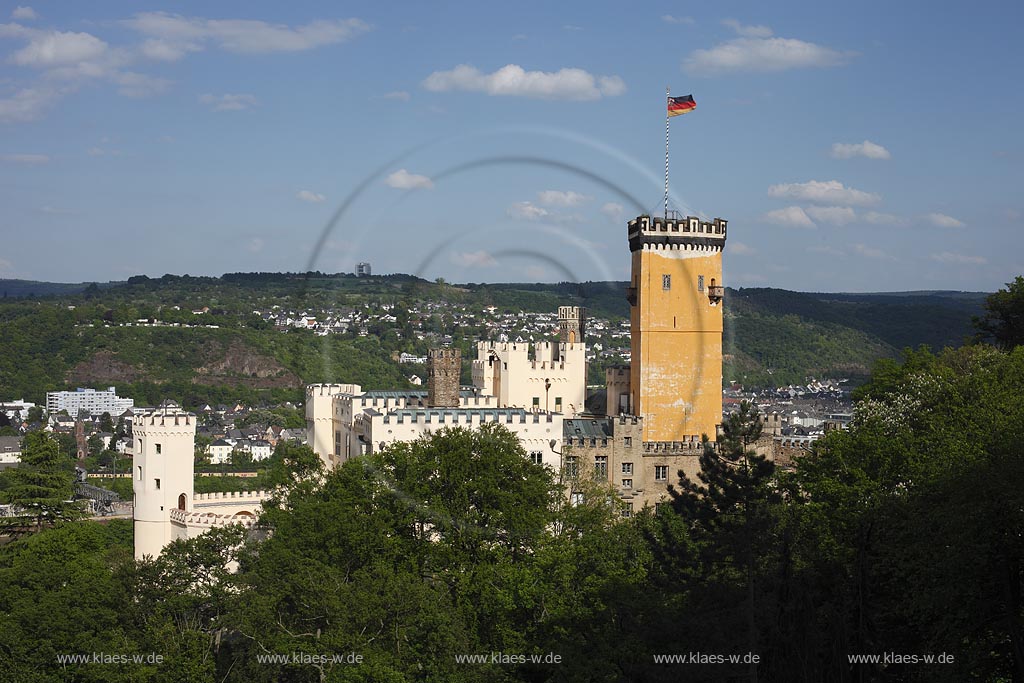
232, 497
689, 234
468, 418
693, 446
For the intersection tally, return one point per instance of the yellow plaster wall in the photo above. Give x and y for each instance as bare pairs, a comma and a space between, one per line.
676, 353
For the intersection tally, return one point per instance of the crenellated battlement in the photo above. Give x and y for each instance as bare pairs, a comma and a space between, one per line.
232, 496
468, 418
692, 446
164, 422
677, 234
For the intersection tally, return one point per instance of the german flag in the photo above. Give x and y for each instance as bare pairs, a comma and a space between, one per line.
681, 105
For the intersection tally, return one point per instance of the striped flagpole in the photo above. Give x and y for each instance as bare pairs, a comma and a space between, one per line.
667, 97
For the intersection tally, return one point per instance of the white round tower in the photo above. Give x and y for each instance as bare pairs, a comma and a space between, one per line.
164, 467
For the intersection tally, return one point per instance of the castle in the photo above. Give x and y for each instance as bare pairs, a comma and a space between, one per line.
166, 505
657, 409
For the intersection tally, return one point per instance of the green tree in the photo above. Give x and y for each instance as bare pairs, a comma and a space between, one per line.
43, 485
1003, 321
731, 518
106, 423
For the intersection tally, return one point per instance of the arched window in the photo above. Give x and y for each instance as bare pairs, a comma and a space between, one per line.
181, 502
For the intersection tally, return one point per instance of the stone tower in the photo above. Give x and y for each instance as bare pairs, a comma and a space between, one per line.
572, 324
675, 295
444, 367
164, 452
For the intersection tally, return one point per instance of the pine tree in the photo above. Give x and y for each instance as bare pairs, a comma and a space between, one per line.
44, 483
730, 513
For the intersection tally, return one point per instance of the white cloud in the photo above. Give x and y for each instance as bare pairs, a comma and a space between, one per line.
244, 36
750, 279
671, 19
559, 198
27, 104
310, 196
24, 13
403, 180
229, 101
397, 95
827, 250
6, 267
791, 216
761, 55
741, 249
59, 48
959, 259
256, 245
872, 252
877, 218
166, 51
941, 220
133, 84
527, 211
865, 149
613, 210
823, 192
513, 80
26, 158
748, 31
836, 215
572, 27
474, 259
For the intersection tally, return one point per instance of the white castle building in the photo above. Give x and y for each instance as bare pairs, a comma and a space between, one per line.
344, 421
166, 505
547, 376
528, 390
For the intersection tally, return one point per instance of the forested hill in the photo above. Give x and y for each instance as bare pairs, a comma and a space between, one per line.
62, 336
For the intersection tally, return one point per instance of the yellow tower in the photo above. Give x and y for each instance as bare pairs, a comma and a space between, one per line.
675, 295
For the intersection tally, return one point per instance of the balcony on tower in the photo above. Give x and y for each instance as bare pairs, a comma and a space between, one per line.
715, 292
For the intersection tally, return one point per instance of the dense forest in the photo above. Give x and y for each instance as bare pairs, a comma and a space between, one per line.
891, 551
88, 335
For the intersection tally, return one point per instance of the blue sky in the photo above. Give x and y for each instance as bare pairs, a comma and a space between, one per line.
858, 147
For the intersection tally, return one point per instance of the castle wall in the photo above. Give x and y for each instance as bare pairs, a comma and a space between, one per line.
553, 380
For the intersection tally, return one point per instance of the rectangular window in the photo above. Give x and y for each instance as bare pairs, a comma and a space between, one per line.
666, 282
536, 401
558, 402
140, 472
627, 509
572, 467
627, 468
661, 473
627, 483
601, 467
700, 283
157, 481
158, 449
537, 457
627, 441
575, 498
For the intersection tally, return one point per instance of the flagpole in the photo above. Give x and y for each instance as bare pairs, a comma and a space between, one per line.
667, 96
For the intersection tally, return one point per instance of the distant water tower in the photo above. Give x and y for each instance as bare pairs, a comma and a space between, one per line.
363, 269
